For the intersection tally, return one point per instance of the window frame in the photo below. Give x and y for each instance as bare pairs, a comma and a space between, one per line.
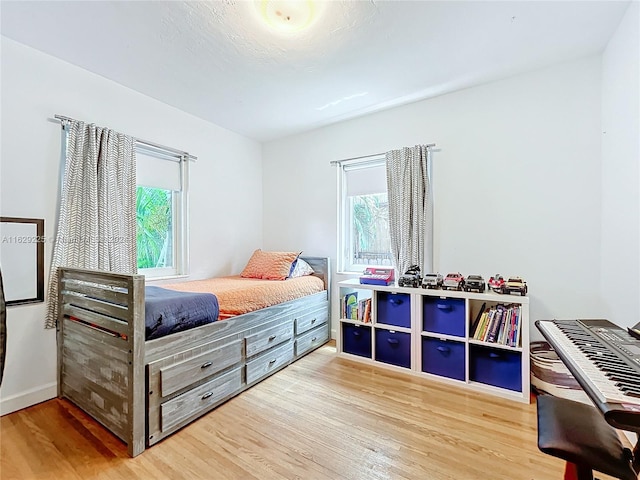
344, 265
180, 212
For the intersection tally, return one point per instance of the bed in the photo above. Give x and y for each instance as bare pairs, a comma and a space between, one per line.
145, 390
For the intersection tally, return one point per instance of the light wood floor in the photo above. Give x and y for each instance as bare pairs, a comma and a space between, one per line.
320, 418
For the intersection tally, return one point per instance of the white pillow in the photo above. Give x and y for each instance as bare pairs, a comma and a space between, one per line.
301, 269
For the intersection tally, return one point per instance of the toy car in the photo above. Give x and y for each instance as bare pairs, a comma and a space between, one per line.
411, 277
496, 283
432, 280
474, 282
453, 281
515, 284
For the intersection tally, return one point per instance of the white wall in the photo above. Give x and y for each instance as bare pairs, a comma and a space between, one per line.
620, 259
516, 182
226, 185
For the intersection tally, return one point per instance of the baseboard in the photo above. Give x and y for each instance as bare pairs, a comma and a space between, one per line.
28, 398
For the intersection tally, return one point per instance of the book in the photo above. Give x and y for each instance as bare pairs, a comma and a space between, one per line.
478, 331
495, 327
366, 315
503, 323
514, 326
364, 310
509, 333
506, 325
474, 325
351, 306
518, 328
487, 326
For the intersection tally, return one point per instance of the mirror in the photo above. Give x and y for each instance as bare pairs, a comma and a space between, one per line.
22, 259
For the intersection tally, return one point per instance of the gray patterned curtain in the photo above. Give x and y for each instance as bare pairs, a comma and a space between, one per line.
410, 207
97, 219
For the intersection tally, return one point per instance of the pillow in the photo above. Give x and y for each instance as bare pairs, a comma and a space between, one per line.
269, 265
300, 268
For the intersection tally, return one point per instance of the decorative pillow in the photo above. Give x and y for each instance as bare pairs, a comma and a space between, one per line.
300, 268
269, 265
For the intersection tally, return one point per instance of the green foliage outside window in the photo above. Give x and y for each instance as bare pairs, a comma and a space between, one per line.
370, 228
154, 227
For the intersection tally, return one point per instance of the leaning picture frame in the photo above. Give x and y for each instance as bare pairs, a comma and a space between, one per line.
22, 259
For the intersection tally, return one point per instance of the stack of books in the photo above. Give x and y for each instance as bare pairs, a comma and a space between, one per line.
355, 309
499, 324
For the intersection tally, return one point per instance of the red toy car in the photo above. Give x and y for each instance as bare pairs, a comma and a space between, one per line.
453, 281
496, 283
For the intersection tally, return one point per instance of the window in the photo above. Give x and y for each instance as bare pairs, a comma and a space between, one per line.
154, 227
364, 215
161, 206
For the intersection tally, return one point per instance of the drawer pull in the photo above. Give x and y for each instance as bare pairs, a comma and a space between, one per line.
444, 306
444, 350
206, 364
271, 362
495, 355
206, 395
313, 320
395, 301
272, 337
314, 339
392, 341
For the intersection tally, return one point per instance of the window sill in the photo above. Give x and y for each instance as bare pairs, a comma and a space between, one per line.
167, 277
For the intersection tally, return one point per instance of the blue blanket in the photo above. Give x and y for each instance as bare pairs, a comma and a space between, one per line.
168, 311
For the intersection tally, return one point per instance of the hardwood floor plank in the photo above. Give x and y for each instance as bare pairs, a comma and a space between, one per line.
322, 418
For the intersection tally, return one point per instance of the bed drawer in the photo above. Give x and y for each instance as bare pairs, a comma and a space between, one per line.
199, 399
308, 320
270, 337
182, 374
311, 339
268, 362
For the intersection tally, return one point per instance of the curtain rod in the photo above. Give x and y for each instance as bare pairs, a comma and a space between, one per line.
338, 162
145, 143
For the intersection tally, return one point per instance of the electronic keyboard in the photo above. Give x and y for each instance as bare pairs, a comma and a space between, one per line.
605, 360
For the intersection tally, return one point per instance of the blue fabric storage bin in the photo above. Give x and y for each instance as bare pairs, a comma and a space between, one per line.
443, 315
393, 347
356, 339
497, 367
443, 357
394, 309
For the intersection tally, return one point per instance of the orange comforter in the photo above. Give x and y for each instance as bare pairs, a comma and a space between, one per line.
237, 295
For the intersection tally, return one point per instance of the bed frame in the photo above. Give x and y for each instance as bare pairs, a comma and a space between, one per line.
143, 391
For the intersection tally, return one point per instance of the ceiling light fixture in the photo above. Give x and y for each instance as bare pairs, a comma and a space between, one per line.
287, 15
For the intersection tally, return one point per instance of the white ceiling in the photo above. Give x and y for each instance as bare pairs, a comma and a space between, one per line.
219, 61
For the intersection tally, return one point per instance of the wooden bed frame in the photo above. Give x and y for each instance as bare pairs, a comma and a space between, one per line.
143, 391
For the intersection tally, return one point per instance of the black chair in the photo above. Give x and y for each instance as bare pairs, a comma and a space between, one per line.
579, 434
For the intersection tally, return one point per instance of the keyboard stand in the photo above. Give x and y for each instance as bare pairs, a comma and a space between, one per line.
578, 434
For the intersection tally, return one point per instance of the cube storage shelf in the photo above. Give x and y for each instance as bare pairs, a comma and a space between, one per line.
430, 333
